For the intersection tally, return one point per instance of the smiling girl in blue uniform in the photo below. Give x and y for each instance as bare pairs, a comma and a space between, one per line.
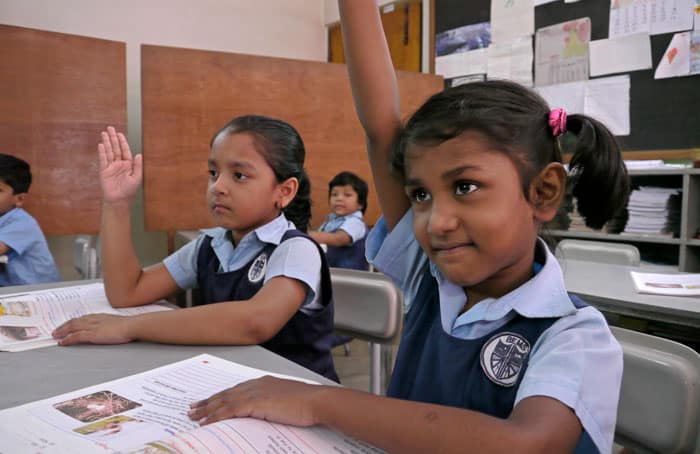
495, 355
270, 280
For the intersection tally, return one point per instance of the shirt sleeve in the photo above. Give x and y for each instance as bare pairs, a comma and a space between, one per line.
398, 255
354, 227
298, 258
182, 264
578, 362
19, 234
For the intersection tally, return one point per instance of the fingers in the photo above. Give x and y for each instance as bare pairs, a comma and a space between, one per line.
102, 156
124, 146
138, 167
109, 154
114, 142
79, 337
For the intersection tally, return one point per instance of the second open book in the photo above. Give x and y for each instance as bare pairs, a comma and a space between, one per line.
147, 413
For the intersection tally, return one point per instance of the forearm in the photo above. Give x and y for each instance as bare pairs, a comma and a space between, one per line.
227, 323
121, 268
335, 239
400, 426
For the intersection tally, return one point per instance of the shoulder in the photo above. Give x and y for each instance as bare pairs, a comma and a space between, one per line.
297, 247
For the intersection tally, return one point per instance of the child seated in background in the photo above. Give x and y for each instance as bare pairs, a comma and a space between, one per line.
344, 231
29, 260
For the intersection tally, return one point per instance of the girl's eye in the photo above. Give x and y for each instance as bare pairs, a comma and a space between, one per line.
419, 195
464, 188
213, 174
239, 176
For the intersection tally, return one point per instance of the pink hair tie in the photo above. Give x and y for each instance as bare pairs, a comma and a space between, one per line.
557, 121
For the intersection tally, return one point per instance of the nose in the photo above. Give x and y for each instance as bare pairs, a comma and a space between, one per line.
218, 186
442, 218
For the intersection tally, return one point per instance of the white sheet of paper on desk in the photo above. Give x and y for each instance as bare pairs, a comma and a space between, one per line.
619, 55
608, 100
461, 64
27, 319
147, 412
675, 62
567, 96
667, 284
512, 61
511, 19
561, 52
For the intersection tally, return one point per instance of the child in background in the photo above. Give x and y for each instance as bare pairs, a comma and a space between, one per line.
344, 231
495, 355
29, 260
270, 280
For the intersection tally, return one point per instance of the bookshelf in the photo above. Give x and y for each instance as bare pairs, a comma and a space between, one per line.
682, 253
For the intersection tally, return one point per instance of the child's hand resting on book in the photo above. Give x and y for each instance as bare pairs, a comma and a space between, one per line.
269, 398
94, 329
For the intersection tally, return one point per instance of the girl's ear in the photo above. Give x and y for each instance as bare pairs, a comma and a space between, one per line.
287, 190
547, 191
19, 199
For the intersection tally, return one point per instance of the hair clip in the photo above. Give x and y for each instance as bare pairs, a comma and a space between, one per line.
557, 121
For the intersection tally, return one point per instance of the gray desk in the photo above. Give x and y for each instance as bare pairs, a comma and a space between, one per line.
610, 288
42, 373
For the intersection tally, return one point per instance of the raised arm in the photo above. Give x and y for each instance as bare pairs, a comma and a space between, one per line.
126, 283
376, 96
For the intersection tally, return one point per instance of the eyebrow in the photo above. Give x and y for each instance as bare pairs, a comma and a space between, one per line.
233, 164
448, 175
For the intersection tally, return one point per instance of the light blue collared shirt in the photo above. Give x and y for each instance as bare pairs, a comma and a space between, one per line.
296, 258
352, 224
29, 260
576, 360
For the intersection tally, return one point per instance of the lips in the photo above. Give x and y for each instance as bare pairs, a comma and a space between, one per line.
449, 248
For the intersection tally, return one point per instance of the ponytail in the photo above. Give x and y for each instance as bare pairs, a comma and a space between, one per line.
299, 209
598, 176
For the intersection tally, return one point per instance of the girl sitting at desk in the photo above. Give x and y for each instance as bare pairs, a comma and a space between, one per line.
270, 280
495, 355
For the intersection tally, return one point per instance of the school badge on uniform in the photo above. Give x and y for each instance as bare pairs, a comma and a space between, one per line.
257, 270
503, 356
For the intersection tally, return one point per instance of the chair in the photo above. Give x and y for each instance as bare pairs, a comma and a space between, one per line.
598, 251
659, 409
86, 257
368, 306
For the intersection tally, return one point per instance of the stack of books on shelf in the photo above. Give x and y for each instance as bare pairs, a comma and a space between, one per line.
654, 211
644, 164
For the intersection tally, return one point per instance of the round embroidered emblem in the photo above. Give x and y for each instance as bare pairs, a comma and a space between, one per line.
503, 356
257, 269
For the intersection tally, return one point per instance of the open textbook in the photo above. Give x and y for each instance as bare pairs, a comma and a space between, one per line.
27, 319
147, 413
667, 284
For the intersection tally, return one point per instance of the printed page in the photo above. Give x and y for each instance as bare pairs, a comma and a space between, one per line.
123, 414
667, 284
676, 60
608, 100
620, 55
511, 19
27, 319
561, 52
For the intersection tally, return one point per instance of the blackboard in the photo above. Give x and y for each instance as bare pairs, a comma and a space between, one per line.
663, 113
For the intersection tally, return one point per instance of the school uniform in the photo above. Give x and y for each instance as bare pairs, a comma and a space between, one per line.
29, 260
352, 255
536, 340
227, 273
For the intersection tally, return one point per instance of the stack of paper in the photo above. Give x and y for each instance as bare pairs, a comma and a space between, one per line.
667, 284
654, 211
652, 164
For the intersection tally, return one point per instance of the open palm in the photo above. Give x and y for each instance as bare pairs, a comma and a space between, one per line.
120, 174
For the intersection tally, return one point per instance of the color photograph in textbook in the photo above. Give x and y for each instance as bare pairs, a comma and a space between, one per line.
27, 319
147, 413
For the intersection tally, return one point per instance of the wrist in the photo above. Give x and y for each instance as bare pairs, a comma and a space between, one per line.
320, 414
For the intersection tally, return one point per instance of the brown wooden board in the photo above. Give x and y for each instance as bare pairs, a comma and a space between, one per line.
58, 92
188, 95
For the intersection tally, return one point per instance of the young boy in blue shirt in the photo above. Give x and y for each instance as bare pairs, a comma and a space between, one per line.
344, 231
29, 260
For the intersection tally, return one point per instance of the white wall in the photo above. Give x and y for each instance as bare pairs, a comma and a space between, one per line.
277, 28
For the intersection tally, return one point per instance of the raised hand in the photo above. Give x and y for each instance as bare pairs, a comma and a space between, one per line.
269, 398
94, 329
120, 174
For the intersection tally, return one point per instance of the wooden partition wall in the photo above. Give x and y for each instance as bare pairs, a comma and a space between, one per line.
58, 92
188, 95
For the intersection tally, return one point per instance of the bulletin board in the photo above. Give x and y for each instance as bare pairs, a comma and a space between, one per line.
58, 92
663, 113
188, 95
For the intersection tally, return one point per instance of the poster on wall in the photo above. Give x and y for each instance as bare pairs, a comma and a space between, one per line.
462, 51
561, 52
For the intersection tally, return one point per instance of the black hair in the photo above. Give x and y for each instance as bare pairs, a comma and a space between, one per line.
283, 150
357, 183
15, 173
515, 120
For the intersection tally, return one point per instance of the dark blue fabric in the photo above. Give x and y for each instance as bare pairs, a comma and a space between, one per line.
351, 256
305, 339
435, 367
